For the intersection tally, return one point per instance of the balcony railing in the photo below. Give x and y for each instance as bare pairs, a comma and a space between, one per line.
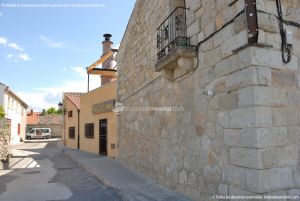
172, 33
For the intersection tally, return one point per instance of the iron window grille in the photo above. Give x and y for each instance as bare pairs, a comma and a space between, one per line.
172, 33
72, 132
89, 130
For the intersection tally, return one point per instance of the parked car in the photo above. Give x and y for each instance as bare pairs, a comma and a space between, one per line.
44, 133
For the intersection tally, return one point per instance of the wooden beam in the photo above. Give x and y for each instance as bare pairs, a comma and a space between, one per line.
100, 61
104, 72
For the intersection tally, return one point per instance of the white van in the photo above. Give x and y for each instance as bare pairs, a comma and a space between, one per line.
44, 133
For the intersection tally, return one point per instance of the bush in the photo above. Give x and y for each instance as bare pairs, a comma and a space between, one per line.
2, 113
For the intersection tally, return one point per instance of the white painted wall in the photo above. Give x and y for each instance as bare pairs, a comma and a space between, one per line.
16, 113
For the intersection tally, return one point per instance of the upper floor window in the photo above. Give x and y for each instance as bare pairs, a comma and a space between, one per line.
70, 113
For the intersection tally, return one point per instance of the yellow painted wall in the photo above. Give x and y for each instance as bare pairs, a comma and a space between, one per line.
71, 122
99, 95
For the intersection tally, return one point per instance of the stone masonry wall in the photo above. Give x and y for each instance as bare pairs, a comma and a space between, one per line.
4, 144
241, 141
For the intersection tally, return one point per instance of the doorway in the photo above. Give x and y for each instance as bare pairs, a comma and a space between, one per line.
103, 137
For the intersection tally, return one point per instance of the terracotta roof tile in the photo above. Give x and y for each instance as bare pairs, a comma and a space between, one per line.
32, 117
74, 98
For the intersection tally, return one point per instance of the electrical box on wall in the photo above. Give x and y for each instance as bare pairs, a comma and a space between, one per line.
289, 37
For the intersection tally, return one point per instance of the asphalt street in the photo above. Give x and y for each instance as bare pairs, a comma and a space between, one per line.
39, 171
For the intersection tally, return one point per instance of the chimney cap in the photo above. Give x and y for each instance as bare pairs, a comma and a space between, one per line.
107, 37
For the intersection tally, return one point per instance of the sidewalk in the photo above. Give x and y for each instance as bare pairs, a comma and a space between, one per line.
133, 186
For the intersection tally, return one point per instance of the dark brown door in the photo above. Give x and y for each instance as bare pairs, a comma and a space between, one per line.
103, 137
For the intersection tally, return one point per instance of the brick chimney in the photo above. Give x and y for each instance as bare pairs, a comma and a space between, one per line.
109, 63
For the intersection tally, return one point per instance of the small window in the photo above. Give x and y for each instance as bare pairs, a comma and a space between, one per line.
70, 113
72, 132
32, 131
89, 131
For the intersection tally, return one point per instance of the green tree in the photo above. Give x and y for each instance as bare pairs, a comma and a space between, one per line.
2, 113
53, 110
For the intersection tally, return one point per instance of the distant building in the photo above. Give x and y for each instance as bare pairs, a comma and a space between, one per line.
41, 120
15, 113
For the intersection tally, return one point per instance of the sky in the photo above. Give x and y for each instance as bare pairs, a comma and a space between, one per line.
46, 45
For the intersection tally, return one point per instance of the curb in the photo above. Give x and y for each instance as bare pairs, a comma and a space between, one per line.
102, 179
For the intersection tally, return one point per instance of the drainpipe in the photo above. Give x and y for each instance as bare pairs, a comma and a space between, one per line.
78, 127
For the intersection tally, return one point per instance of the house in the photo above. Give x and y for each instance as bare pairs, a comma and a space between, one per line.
71, 103
90, 123
15, 113
41, 120
212, 91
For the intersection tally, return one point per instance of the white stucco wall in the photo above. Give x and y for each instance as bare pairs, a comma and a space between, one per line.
16, 112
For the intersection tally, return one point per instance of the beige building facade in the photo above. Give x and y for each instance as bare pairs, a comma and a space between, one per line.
90, 122
71, 137
233, 126
96, 114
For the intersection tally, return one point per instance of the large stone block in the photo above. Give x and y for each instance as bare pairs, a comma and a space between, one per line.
261, 96
266, 58
283, 78
285, 117
250, 117
229, 101
248, 77
268, 180
253, 158
263, 137
287, 155
232, 137
265, 158
236, 175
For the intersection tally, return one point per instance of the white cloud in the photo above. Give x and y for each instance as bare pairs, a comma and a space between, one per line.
50, 43
80, 71
22, 57
15, 46
3, 40
46, 97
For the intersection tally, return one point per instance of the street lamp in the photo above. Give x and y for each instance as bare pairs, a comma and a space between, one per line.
61, 109
60, 105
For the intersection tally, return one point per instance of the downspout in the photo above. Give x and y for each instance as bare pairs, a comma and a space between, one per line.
78, 127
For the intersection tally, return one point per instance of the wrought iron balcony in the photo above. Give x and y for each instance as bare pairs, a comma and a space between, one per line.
172, 33
176, 56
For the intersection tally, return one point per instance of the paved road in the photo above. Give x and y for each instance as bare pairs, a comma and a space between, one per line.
38, 171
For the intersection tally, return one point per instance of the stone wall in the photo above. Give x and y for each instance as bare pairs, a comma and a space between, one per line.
52, 121
241, 141
4, 144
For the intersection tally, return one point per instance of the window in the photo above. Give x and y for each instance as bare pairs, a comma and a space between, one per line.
89, 131
72, 132
9, 102
70, 113
19, 129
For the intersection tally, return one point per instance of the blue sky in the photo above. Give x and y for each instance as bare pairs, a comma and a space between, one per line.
44, 51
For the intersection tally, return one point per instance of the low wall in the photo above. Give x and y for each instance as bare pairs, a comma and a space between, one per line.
4, 144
